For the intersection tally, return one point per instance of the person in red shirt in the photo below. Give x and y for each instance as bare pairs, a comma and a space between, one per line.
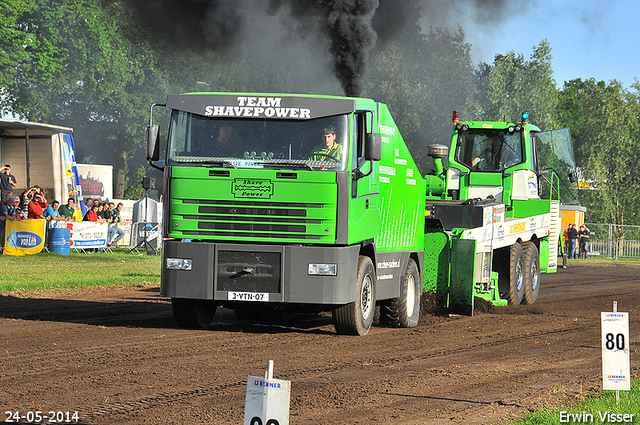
92, 215
37, 205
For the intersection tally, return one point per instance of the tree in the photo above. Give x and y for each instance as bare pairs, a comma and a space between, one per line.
604, 122
512, 85
79, 64
423, 79
14, 41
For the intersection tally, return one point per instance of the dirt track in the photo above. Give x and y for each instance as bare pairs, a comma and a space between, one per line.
116, 357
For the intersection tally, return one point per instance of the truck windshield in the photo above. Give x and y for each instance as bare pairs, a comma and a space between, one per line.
555, 153
318, 144
489, 150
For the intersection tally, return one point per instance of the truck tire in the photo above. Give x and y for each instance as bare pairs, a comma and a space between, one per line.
356, 318
531, 272
516, 274
404, 311
193, 314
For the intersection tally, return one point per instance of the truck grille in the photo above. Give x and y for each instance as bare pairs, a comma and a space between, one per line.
249, 219
244, 271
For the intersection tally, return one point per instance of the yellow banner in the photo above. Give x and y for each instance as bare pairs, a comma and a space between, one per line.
25, 237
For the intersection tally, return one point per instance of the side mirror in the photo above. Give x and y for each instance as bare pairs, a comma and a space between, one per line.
153, 146
373, 147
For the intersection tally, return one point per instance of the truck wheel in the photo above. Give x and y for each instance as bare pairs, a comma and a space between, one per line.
404, 311
531, 272
356, 318
516, 274
194, 314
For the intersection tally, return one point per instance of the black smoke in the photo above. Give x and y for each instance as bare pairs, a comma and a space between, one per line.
218, 25
196, 25
347, 24
351, 27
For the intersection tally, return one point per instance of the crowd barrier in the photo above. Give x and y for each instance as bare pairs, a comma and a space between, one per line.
27, 237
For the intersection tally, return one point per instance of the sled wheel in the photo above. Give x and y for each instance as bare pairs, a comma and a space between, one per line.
531, 272
516, 274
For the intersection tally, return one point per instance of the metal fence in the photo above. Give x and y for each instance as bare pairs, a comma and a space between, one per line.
614, 240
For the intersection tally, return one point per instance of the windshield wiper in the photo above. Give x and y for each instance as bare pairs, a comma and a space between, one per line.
304, 164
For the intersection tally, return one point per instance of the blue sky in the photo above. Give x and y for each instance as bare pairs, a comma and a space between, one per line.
589, 38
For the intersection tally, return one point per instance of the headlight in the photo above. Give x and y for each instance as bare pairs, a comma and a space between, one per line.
179, 263
323, 269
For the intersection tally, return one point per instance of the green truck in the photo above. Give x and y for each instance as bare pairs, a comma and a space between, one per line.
308, 203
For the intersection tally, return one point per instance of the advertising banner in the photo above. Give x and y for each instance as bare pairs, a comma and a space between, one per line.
96, 181
74, 188
85, 234
25, 237
145, 232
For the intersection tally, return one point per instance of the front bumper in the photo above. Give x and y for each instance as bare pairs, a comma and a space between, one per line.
219, 269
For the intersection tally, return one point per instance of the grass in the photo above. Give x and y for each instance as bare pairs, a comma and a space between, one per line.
53, 271
597, 406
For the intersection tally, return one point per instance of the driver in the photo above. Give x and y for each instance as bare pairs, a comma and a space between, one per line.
329, 149
489, 159
223, 145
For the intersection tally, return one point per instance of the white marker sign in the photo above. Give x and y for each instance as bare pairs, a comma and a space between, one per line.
267, 401
616, 368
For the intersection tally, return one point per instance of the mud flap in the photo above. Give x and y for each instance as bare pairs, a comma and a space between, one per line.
462, 284
545, 266
437, 262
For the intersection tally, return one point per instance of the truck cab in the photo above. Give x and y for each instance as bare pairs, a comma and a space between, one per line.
500, 189
278, 202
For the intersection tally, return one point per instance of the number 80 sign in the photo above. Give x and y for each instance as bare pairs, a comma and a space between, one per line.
616, 368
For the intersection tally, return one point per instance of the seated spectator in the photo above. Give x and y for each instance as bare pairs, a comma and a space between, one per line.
67, 210
52, 212
104, 211
115, 219
37, 205
92, 215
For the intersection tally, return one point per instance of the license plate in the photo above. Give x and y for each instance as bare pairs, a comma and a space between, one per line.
248, 296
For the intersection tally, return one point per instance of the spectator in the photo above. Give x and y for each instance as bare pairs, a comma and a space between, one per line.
106, 211
52, 212
26, 197
572, 235
5, 201
583, 234
115, 219
92, 215
10, 210
37, 205
67, 210
7, 181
